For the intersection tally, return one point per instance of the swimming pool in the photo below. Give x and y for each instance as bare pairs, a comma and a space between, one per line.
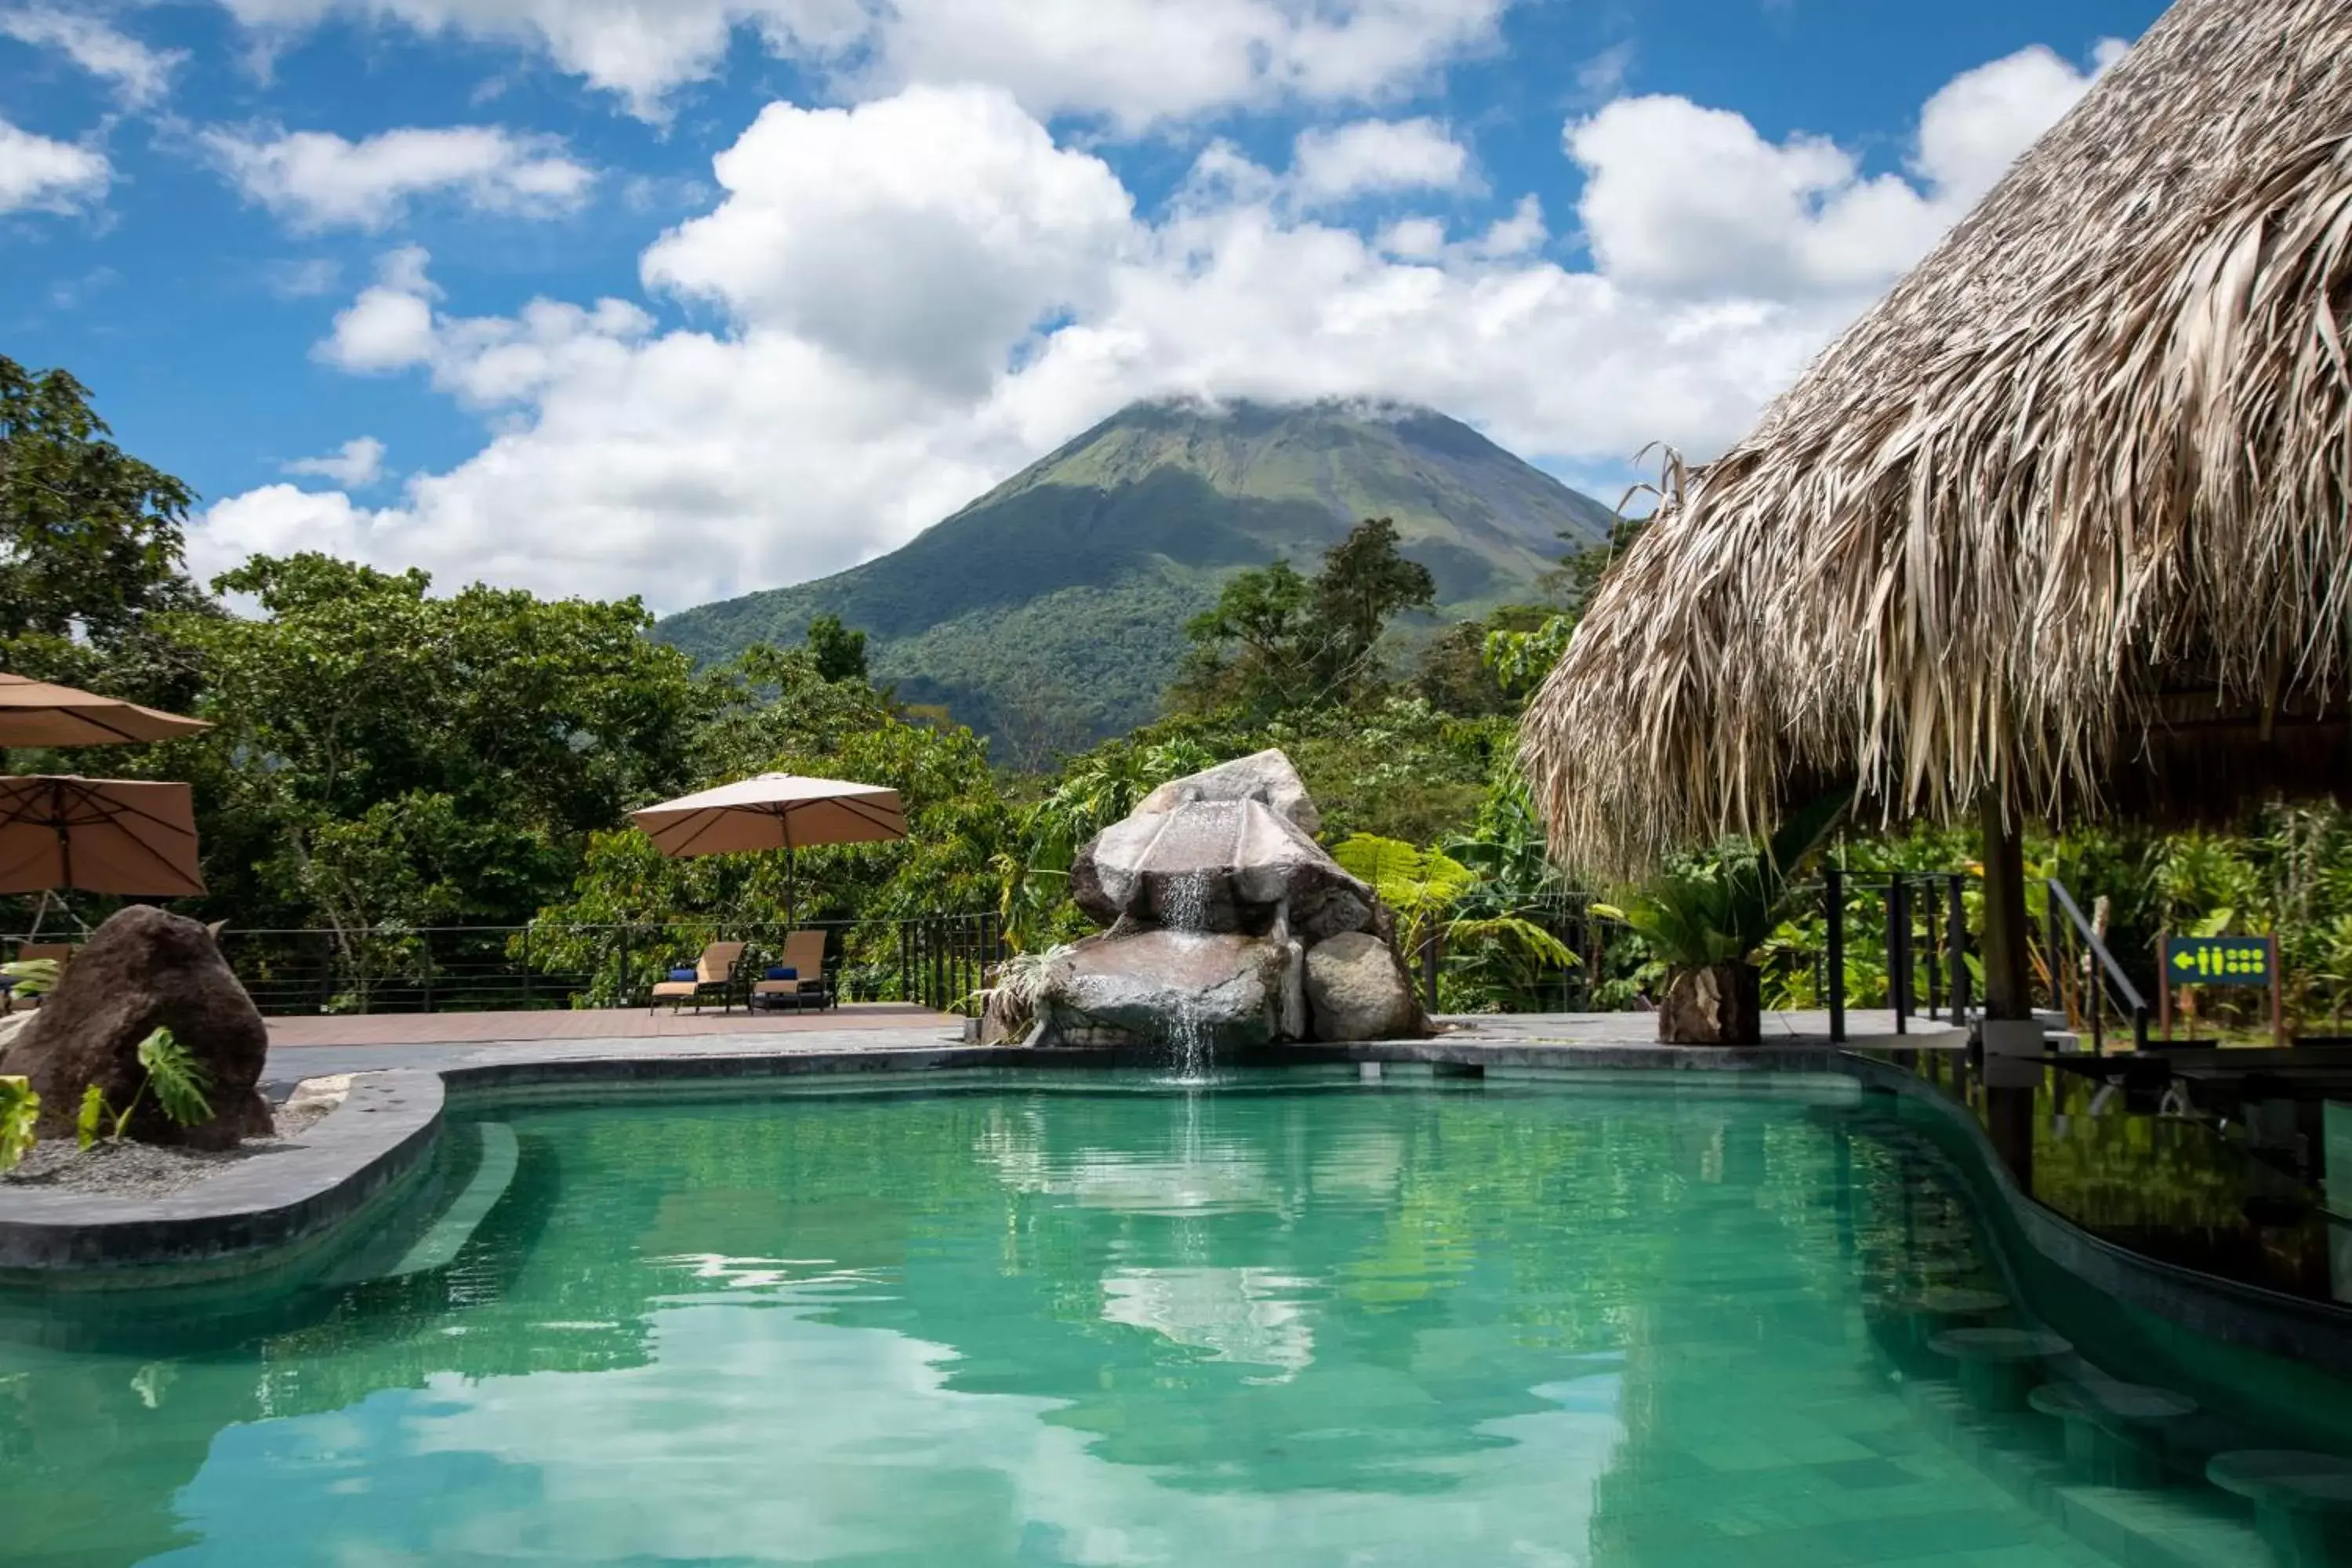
1296, 1320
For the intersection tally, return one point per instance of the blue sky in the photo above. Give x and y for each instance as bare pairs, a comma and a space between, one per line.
457, 283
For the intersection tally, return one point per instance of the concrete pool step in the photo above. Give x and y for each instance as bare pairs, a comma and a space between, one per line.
2176, 1527
454, 1226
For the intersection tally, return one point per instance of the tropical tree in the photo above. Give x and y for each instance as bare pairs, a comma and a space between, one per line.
1275, 641
383, 757
90, 537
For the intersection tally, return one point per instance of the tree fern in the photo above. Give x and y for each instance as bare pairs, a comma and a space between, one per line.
1420, 885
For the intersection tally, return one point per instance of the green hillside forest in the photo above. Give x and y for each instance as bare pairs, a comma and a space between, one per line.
1059, 599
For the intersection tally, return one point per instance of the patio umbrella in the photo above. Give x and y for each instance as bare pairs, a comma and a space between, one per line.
775, 811
131, 836
2058, 526
34, 713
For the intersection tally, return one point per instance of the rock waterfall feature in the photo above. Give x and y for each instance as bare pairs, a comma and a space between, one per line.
1228, 927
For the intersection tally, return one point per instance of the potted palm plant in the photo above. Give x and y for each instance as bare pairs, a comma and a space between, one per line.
1704, 919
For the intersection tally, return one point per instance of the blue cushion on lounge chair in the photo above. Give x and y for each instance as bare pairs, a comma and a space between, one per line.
783, 971
681, 974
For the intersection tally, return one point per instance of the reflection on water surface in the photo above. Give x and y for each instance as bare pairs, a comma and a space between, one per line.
1376, 1324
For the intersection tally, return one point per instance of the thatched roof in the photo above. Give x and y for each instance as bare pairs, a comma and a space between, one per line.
2066, 512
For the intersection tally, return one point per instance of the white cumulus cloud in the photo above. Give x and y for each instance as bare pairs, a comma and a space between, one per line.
141, 76
918, 234
390, 325
903, 302
317, 180
1335, 164
355, 465
1134, 62
38, 175
1693, 201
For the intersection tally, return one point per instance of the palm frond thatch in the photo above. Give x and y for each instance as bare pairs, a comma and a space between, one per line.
2062, 518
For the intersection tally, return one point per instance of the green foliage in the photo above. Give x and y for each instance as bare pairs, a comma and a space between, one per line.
1275, 641
1580, 573
773, 711
1432, 895
1721, 908
178, 1078
839, 653
90, 537
179, 1082
31, 976
1419, 885
20, 1112
1520, 659
384, 758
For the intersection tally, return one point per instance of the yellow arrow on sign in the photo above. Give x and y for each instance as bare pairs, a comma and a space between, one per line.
2184, 961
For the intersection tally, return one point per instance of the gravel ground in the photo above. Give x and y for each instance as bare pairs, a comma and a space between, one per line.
129, 1170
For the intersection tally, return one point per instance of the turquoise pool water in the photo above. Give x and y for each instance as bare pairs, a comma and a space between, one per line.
1296, 1322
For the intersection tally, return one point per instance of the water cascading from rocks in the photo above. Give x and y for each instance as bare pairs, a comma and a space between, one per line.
1184, 908
1228, 927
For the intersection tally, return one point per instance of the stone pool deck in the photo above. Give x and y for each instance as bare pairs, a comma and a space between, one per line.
384, 1043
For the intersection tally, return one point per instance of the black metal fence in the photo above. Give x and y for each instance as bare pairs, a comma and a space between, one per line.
1933, 955
937, 962
1920, 922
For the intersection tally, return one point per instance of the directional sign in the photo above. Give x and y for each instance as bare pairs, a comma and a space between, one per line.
2217, 959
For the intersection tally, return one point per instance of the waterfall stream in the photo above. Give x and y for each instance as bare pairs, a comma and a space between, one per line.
1185, 909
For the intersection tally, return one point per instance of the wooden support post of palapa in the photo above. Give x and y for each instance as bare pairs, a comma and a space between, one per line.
2278, 1012
2164, 982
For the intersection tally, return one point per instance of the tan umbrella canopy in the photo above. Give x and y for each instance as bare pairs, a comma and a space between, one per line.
34, 713
132, 837
775, 811
2060, 524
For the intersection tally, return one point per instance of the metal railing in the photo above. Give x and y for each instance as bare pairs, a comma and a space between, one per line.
1928, 941
1443, 970
2084, 978
946, 961
934, 961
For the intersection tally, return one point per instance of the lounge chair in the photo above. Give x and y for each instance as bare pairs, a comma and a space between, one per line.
714, 971
796, 979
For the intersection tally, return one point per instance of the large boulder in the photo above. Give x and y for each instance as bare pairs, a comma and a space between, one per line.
1265, 776
1358, 990
1217, 866
1230, 989
143, 969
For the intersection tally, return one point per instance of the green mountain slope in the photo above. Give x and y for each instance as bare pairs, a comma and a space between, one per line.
1065, 589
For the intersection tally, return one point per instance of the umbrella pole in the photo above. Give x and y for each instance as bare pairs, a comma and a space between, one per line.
65, 833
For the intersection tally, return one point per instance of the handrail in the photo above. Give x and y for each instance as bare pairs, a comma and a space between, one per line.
2060, 900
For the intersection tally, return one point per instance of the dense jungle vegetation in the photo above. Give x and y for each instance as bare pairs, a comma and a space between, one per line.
387, 758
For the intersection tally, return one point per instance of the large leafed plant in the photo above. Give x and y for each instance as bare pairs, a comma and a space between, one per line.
1721, 909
